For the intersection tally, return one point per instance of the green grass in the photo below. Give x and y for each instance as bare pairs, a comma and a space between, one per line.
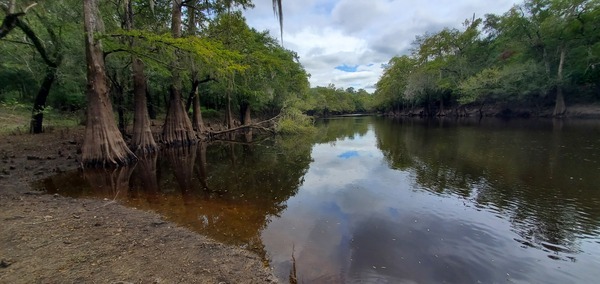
15, 119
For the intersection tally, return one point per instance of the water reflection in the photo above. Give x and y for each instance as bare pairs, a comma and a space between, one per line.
443, 201
375, 200
226, 190
543, 175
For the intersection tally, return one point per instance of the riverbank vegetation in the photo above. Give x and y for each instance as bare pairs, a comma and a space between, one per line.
144, 58
180, 62
539, 54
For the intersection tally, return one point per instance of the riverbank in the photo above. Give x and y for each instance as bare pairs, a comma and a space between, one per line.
501, 110
55, 239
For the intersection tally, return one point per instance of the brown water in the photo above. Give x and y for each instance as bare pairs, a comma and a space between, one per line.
382, 201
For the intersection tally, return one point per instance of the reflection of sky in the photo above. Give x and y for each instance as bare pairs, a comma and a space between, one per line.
356, 220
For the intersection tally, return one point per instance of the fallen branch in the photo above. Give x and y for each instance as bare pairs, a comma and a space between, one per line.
253, 125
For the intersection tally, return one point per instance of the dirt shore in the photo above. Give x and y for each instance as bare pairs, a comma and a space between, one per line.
54, 239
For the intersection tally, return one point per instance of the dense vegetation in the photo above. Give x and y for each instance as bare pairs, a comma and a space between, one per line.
189, 59
230, 63
538, 54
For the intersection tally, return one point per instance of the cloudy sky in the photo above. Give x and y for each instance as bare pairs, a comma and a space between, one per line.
345, 42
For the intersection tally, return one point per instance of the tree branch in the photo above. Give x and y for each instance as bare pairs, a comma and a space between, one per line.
11, 19
9, 23
17, 41
36, 42
29, 7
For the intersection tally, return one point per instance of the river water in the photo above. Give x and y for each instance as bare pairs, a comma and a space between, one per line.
376, 200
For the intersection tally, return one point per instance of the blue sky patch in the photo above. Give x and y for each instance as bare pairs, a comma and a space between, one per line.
347, 68
348, 154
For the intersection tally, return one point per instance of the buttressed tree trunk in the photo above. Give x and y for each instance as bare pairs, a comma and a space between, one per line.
142, 140
103, 144
177, 129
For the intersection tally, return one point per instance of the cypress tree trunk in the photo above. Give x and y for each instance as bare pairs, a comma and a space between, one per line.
177, 129
103, 144
142, 140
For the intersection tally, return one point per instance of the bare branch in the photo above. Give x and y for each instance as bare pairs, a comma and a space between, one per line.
29, 7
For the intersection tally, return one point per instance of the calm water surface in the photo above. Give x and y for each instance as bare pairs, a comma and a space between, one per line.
383, 201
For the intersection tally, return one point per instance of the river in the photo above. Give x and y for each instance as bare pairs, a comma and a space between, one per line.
376, 200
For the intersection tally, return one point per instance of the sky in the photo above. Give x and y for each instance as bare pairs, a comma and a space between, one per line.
346, 42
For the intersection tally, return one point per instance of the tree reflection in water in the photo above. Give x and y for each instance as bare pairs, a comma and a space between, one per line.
533, 173
429, 200
230, 202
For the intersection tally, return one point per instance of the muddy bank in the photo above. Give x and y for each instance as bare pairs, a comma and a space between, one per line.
54, 239
499, 110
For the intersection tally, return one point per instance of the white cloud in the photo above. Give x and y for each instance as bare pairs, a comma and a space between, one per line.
367, 33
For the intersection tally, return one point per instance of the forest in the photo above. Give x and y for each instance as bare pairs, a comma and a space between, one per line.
539, 54
139, 60
120, 65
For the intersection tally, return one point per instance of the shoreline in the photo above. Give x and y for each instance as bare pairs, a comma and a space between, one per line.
52, 239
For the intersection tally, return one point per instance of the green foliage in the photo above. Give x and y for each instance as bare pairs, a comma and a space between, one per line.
324, 101
210, 113
57, 26
293, 121
271, 75
514, 57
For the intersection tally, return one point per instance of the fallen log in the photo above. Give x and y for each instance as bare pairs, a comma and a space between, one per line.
253, 126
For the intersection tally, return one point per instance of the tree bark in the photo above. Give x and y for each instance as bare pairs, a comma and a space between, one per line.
197, 122
142, 140
37, 116
559, 106
103, 144
177, 129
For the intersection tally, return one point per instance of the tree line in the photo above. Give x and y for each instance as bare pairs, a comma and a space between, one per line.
187, 59
539, 54
144, 56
